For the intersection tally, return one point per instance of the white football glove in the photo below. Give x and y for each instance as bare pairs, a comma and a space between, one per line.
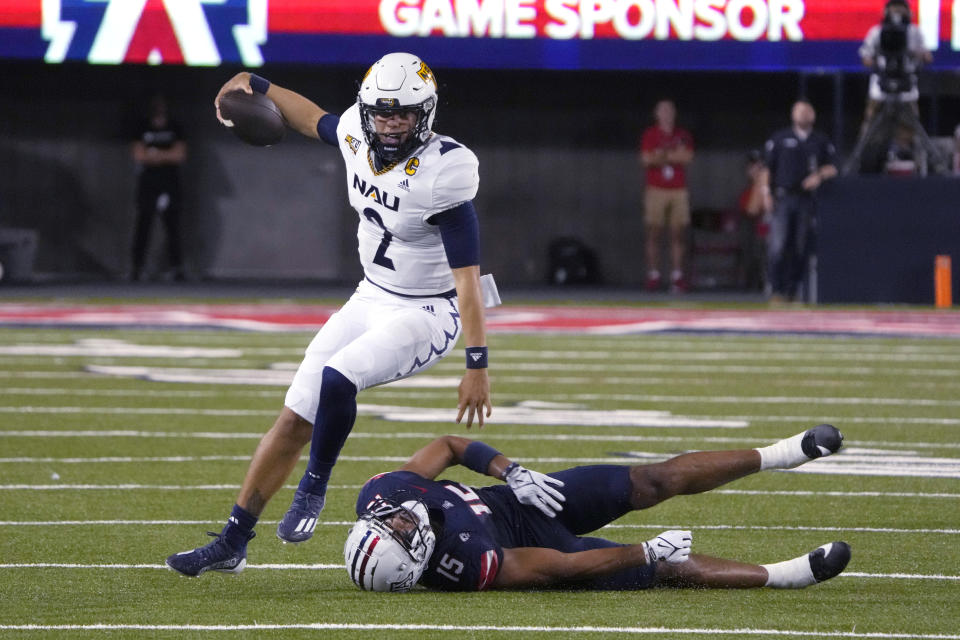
672, 546
533, 488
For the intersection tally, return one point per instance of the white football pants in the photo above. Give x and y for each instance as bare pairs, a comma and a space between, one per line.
376, 337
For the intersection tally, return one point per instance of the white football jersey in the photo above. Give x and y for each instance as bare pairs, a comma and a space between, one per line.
399, 250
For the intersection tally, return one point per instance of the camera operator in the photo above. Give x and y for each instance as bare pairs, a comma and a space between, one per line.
894, 51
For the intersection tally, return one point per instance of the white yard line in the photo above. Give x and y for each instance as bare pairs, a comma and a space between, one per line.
423, 435
659, 398
328, 567
234, 487
136, 393
749, 369
719, 356
409, 626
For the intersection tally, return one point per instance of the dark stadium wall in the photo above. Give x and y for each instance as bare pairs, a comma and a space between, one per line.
879, 238
557, 153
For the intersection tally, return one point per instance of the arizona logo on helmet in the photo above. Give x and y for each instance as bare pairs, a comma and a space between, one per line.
190, 32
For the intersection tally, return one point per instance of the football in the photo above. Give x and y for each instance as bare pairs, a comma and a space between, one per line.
253, 117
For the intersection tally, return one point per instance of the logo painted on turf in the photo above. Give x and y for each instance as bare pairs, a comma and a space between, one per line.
353, 143
188, 32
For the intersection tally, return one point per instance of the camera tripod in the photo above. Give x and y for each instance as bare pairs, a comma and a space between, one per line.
895, 112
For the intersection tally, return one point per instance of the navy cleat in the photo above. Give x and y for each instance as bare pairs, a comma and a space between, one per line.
821, 440
301, 519
219, 555
829, 560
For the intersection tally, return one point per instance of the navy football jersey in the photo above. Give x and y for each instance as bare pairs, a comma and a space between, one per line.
466, 556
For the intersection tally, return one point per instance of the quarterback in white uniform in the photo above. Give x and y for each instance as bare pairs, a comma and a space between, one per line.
418, 242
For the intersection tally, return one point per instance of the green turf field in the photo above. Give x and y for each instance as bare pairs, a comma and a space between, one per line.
101, 477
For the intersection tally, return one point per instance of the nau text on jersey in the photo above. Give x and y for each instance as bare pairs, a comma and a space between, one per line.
371, 191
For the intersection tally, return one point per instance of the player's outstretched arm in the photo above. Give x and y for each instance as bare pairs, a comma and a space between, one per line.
474, 391
530, 487
525, 567
531, 567
450, 451
300, 113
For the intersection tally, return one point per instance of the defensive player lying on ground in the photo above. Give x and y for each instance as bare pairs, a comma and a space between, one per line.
448, 536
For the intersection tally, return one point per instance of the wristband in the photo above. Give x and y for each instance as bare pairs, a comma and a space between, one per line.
510, 467
476, 357
258, 84
477, 456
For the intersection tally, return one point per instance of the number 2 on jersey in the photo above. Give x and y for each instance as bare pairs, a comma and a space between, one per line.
380, 257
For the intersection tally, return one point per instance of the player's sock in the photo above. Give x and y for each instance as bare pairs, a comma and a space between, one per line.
675, 275
824, 562
821, 440
790, 574
336, 414
239, 526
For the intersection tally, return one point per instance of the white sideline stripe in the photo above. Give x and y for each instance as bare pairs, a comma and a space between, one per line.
413, 435
344, 523
328, 567
330, 626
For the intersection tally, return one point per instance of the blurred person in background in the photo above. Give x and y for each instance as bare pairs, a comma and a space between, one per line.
956, 151
665, 152
799, 159
893, 50
902, 153
159, 151
754, 224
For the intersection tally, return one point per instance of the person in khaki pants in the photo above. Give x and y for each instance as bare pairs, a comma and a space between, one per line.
665, 152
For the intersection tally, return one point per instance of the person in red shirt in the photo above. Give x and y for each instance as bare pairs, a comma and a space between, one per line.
665, 152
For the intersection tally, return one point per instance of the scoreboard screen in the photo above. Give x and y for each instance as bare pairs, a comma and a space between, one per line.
760, 35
